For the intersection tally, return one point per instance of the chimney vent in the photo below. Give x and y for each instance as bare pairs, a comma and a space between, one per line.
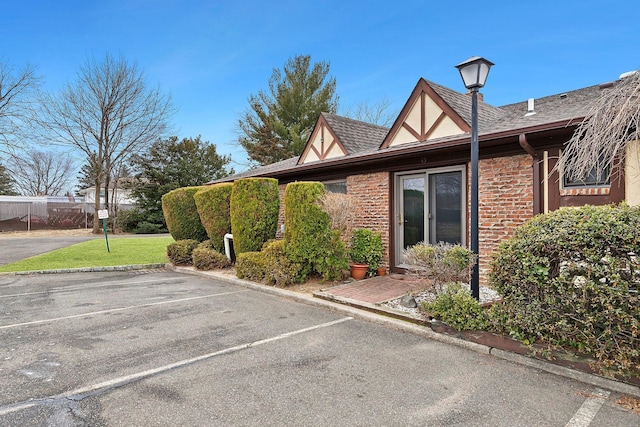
530, 107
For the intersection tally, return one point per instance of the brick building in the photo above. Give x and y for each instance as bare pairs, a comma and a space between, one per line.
410, 182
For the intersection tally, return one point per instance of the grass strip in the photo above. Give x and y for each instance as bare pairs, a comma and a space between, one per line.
93, 253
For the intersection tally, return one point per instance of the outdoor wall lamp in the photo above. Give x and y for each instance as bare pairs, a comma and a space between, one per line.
474, 72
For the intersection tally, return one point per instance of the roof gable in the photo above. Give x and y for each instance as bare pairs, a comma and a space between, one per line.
426, 115
335, 136
322, 144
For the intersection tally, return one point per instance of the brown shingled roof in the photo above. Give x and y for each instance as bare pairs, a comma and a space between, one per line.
362, 139
356, 136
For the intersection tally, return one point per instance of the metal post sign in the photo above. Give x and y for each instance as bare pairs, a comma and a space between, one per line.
103, 214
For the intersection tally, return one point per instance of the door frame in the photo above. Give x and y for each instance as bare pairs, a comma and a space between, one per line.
397, 204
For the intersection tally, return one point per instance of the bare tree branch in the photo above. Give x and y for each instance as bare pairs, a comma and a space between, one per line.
108, 113
601, 139
376, 113
17, 95
39, 173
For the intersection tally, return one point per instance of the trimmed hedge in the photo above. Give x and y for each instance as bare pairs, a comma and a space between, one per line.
254, 208
213, 204
181, 214
308, 238
180, 252
250, 265
571, 279
205, 257
270, 265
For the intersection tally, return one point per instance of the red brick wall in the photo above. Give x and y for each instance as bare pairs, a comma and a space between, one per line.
371, 197
505, 201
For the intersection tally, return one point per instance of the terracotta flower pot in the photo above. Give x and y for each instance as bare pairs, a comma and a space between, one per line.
381, 271
359, 271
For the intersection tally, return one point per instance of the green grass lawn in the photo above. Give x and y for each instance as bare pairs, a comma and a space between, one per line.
93, 253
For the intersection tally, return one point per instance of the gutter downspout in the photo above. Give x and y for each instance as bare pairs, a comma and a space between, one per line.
522, 139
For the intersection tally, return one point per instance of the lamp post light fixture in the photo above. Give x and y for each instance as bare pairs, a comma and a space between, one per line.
474, 72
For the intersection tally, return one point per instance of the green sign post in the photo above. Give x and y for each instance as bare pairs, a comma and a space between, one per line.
103, 214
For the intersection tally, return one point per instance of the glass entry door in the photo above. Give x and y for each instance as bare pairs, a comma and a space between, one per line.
430, 207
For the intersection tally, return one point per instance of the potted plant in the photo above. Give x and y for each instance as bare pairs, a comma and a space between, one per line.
365, 252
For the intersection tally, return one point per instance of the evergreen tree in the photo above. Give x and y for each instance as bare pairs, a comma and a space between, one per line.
170, 164
6, 183
279, 121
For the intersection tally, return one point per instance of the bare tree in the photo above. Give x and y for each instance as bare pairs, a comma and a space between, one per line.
17, 93
109, 113
601, 139
40, 173
376, 113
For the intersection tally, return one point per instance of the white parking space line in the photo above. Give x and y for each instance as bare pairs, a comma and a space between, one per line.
112, 310
80, 393
90, 286
589, 409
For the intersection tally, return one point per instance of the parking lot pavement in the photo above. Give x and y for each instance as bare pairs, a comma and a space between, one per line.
162, 348
17, 248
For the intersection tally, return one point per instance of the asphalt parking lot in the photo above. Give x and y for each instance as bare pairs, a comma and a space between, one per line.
163, 348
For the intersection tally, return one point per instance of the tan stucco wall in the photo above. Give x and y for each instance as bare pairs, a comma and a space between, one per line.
632, 173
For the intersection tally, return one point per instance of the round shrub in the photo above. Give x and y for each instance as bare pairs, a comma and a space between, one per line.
205, 257
281, 270
458, 309
213, 204
181, 214
439, 265
180, 252
571, 278
254, 208
251, 265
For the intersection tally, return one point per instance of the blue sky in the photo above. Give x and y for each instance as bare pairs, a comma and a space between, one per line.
211, 55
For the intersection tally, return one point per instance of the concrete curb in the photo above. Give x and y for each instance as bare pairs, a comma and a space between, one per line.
89, 269
411, 325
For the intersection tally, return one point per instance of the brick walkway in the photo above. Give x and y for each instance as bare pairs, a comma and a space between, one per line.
376, 289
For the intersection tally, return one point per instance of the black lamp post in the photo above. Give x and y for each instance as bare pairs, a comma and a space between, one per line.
474, 72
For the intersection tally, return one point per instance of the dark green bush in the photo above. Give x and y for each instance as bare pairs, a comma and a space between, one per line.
254, 208
149, 228
213, 203
205, 257
571, 279
128, 220
366, 248
458, 309
280, 270
180, 252
308, 238
251, 266
181, 214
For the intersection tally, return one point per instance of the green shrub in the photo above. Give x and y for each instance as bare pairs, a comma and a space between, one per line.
308, 238
458, 309
280, 270
128, 220
366, 248
149, 228
439, 265
254, 208
205, 257
571, 279
180, 252
213, 204
181, 214
251, 266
